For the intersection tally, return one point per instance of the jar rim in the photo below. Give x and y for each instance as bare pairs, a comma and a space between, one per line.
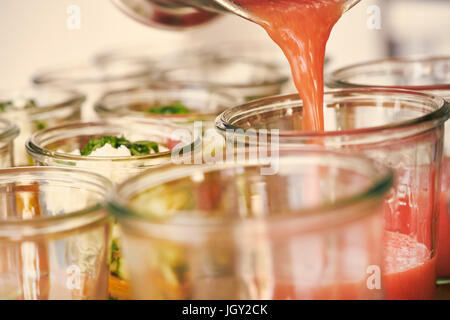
278, 77
58, 75
433, 118
102, 105
34, 146
23, 228
74, 98
335, 78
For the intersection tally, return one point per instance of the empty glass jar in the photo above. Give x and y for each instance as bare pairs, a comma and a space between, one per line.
94, 80
243, 78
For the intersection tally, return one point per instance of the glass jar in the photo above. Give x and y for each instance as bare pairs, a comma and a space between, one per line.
8, 133
199, 103
94, 80
257, 51
35, 109
54, 234
429, 74
243, 78
58, 146
225, 231
402, 129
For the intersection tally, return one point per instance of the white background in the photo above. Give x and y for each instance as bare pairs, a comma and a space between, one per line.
34, 34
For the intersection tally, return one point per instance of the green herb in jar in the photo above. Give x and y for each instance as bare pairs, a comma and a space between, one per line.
174, 108
143, 147
18, 104
138, 148
40, 125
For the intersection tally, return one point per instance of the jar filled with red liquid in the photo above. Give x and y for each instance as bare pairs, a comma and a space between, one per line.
402, 129
429, 74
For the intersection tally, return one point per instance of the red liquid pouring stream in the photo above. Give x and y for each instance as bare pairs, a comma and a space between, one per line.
301, 28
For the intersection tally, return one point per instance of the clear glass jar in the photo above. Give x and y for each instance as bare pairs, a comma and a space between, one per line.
429, 74
402, 129
94, 80
243, 78
54, 234
227, 232
35, 109
265, 52
55, 146
8, 133
203, 104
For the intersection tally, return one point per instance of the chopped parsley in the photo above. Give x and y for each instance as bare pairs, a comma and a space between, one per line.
41, 125
136, 149
174, 108
29, 103
5, 104
143, 147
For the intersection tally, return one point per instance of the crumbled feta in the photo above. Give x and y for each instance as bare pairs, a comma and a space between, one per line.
20, 102
106, 151
109, 151
161, 149
116, 171
75, 152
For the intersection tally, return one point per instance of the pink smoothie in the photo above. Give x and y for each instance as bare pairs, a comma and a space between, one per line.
409, 269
